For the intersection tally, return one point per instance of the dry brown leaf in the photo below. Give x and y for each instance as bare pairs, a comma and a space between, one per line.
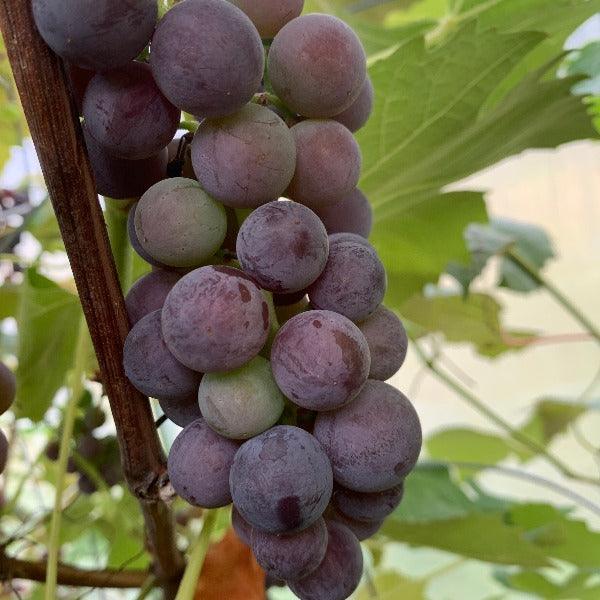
230, 572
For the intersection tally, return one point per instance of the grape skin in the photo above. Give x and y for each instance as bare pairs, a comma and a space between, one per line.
353, 214
269, 16
135, 243
96, 34
242, 403
118, 178
126, 113
291, 556
339, 573
182, 411
8, 388
357, 114
281, 480
245, 159
148, 293
151, 368
320, 360
283, 246
388, 343
242, 528
317, 65
328, 162
178, 224
367, 507
3, 452
374, 442
215, 319
199, 463
207, 57
363, 530
336, 238
353, 282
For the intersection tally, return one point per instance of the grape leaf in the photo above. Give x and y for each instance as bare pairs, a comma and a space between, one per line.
587, 62
391, 585
464, 445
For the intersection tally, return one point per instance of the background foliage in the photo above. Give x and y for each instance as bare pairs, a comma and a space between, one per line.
460, 85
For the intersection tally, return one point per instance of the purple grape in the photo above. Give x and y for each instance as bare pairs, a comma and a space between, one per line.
317, 65
336, 238
96, 34
207, 57
328, 163
178, 224
135, 243
374, 442
199, 464
269, 16
215, 319
151, 368
363, 530
182, 411
3, 452
241, 403
339, 573
281, 480
245, 159
78, 80
242, 528
387, 341
353, 282
368, 507
148, 293
351, 215
8, 388
320, 360
357, 114
119, 178
283, 246
291, 556
126, 113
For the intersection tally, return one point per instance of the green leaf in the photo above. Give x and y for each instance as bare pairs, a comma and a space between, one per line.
391, 585
464, 445
586, 62
484, 537
580, 586
48, 320
10, 295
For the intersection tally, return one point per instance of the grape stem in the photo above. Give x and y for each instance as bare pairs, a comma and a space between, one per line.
483, 409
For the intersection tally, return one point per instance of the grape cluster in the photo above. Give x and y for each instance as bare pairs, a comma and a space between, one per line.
261, 329
8, 389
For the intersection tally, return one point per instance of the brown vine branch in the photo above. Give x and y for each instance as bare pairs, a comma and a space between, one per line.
54, 126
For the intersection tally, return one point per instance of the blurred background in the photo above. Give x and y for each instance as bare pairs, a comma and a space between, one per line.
482, 165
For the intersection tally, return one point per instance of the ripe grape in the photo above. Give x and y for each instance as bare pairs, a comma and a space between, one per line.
283, 246
215, 319
181, 411
339, 573
135, 243
96, 34
245, 159
178, 224
269, 16
242, 528
373, 442
119, 178
291, 556
353, 214
8, 388
317, 65
149, 292
281, 480
207, 57
199, 464
320, 360
151, 368
387, 341
3, 452
328, 163
126, 113
363, 530
336, 238
353, 282
242, 403
363, 506
358, 113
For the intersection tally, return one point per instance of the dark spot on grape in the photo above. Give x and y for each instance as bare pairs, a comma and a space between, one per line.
288, 509
244, 293
317, 324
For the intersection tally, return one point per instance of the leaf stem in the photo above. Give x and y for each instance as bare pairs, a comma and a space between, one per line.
189, 582
487, 412
525, 265
116, 223
81, 353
